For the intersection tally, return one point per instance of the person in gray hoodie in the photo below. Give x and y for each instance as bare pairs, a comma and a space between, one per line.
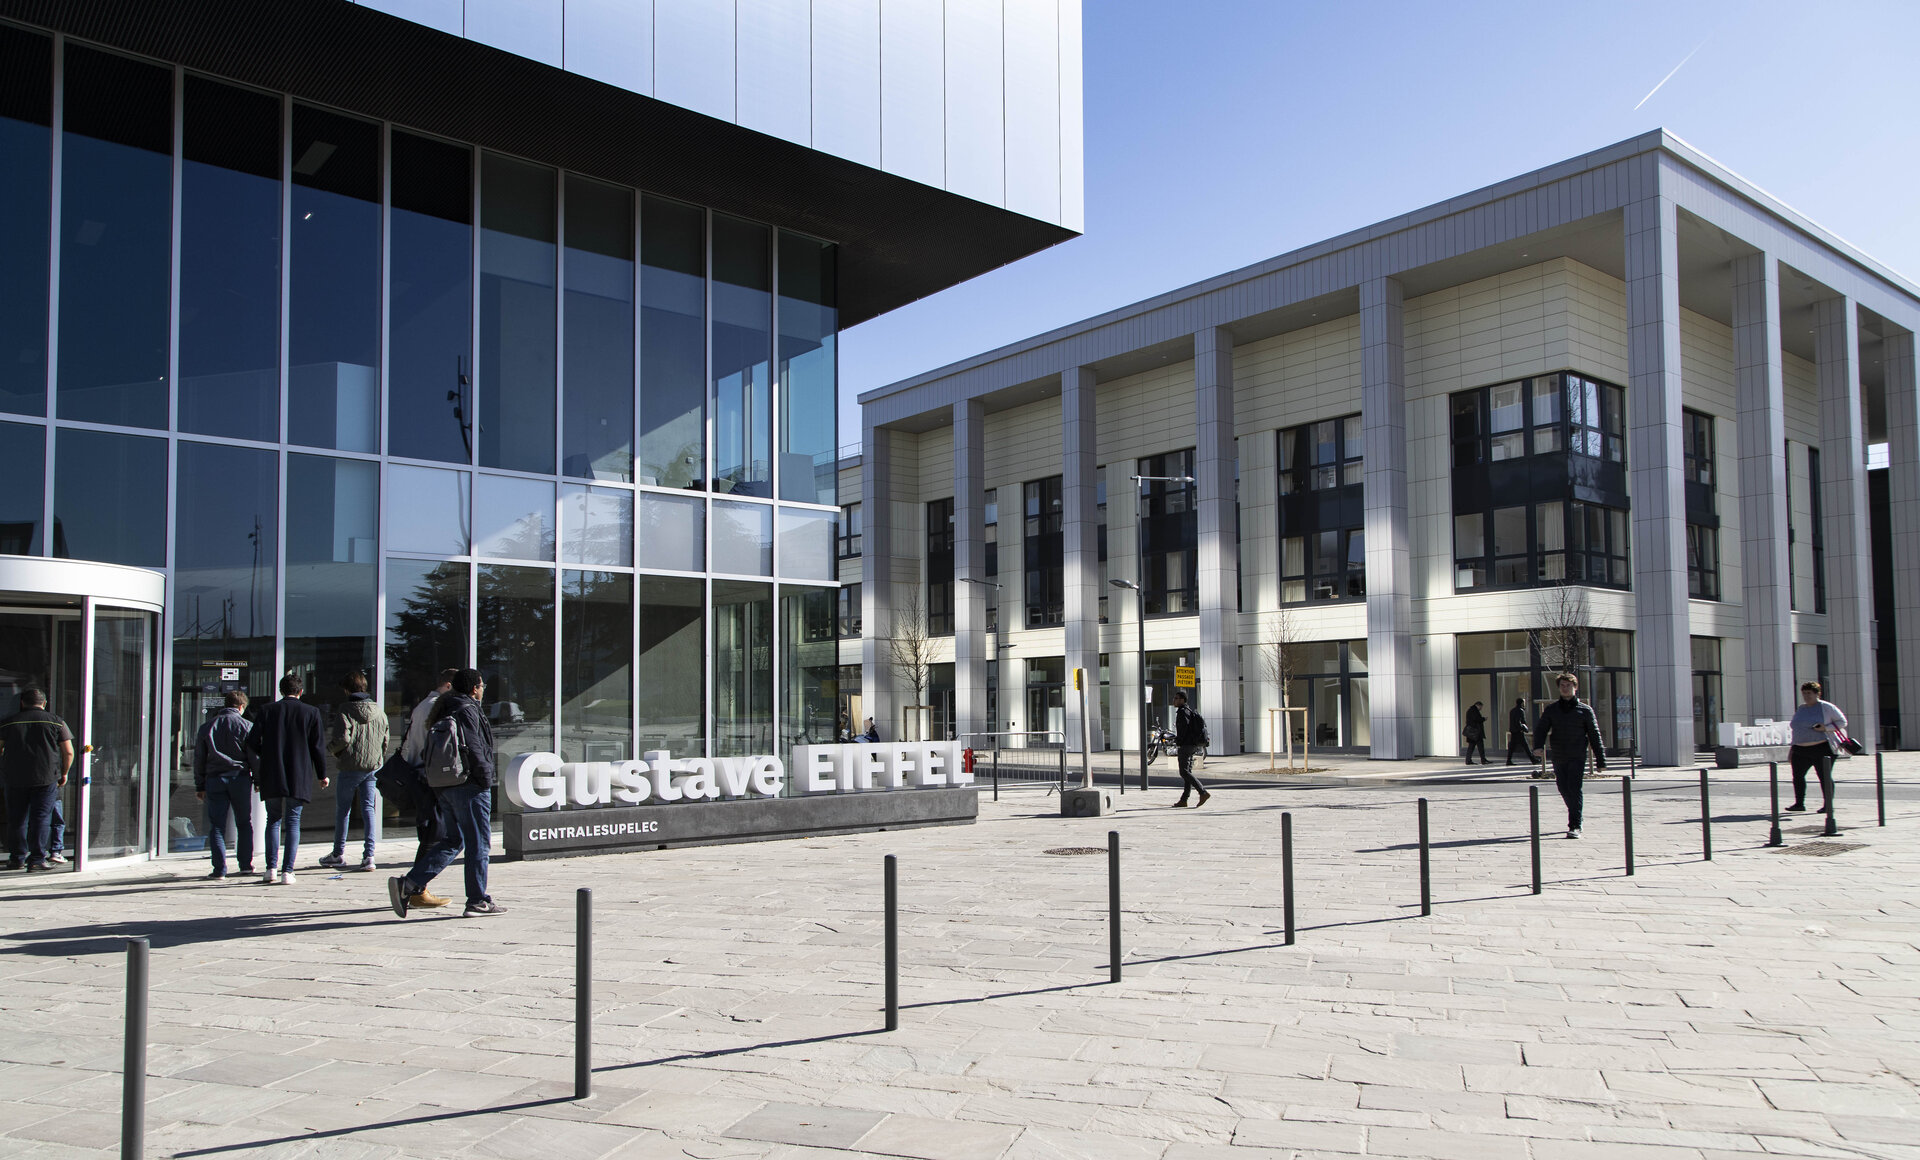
357, 739
223, 778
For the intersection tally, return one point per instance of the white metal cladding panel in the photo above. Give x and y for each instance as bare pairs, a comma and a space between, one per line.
1296, 377
1023, 443
611, 41
1259, 526
976, 101
1429, 497
446, 15
775, 68
693, 56
846, 80
529, 28
1707, 386
913, 135
1033, 121
1492, 330
1141, 415
1706, 369
1073, 184
1597, 341
1800, 390
935, 460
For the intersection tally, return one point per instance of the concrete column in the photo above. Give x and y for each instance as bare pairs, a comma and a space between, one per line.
1843, 504
1216, 455
1903, 511
969, 560
1081, 546
876, 591
1662, 651
1761, 421
1383, 409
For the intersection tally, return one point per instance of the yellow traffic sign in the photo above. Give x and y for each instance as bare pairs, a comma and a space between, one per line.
1184, 677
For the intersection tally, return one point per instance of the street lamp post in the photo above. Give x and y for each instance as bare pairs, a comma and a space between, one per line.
1139, 586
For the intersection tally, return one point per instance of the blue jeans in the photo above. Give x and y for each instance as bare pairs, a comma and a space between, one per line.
283, 832
30, 818
464, 817
230, 793
57, 831
352, 797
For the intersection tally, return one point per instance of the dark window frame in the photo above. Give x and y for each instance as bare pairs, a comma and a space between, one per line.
1042, 556
1170, 529
1321, 467
939, 566
847, 532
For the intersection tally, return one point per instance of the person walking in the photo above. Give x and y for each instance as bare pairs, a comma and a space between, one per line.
1189, 737
358, 742
1569, 729
1816, 725
36, 750
1475, 733
223, 778
426, 804
465, 813
289, 743
1517, 731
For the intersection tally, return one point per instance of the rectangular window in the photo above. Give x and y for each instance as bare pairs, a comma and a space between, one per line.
426, 628
1597, 415
1703, 562
598, 392
809, 666
1322, 545
596, 665
1598, 545
110, 498
940, 567
515, 643
742, 354
1817, 537
430, 400
990, 514
333, 308
23, 448
849, 618
1469, 551
1171, 527
1043, 553
225, 560
26, 205
518, 250
672, 665
809, 322
847, 536
742, 668
673, 344
1696, 432
332, 569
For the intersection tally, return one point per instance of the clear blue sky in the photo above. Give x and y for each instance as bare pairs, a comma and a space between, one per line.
1220, 133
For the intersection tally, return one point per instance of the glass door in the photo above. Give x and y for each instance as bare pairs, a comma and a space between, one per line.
41, 649
118, 732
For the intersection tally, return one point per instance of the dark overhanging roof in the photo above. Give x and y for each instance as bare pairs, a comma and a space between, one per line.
899, 240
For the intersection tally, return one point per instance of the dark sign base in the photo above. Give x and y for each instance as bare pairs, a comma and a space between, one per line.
623, 830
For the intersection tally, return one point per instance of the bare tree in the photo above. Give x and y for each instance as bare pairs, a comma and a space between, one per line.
1280, 652
1562, 624
910, 649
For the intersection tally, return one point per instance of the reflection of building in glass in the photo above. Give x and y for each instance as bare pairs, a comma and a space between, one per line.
1629, 379
390, 369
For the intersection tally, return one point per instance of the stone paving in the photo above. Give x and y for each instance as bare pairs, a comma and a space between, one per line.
1760, 1004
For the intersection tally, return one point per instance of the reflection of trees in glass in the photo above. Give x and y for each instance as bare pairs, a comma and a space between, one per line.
596, 652
515, 640
426, 628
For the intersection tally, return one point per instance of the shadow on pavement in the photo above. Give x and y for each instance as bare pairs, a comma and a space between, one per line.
406, 1122
110, 938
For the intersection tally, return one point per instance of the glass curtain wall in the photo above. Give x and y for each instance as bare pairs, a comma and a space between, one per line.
332, 578
26, 205
430, 324
672, 649
596, 665
742, 351
119, 728
110, 497
230, 206
809, 666
24, 449
515, 624
742, 668
428, 620
598, 344
116, 240
673, 344
333, 312
519, 245
809, 322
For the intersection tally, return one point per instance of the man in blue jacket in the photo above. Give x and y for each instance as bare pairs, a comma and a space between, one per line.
1569, 729
223, 778
464, 817
290, 744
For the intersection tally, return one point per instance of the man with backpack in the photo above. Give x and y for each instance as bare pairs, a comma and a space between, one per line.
1189, 736
289, 747
457, 763
358, 743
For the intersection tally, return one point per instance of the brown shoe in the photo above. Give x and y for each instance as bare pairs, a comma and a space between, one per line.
427, 899
1204, 795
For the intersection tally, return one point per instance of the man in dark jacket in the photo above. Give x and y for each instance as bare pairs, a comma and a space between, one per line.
1567, 730
290, 745
223, 778
1517, 730
465, 813
1189, 736
36, 748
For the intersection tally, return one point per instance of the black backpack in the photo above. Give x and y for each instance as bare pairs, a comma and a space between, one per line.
444, 763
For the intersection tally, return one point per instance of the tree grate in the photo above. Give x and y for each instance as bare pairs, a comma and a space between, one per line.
1071, 850
1824, 849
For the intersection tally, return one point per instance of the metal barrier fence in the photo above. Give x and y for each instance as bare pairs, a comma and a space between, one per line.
1032, 758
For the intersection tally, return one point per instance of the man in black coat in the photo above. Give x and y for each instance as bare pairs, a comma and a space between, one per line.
1517, 730
1567, 730
464, 816
290, 744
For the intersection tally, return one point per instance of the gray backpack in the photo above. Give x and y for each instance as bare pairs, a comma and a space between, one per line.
444, 764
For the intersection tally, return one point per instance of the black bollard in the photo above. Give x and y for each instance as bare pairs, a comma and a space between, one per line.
1879, 785
582, 993
1533, 817
1426, 875
1773, 795
1113, 906
893, 945
1706, 821
133, 1081
1286, 873
1833, 812
1626, 815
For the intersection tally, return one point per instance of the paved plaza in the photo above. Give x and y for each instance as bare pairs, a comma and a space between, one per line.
1766, 1003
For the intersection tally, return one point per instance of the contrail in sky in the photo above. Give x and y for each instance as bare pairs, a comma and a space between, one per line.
1669, 76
